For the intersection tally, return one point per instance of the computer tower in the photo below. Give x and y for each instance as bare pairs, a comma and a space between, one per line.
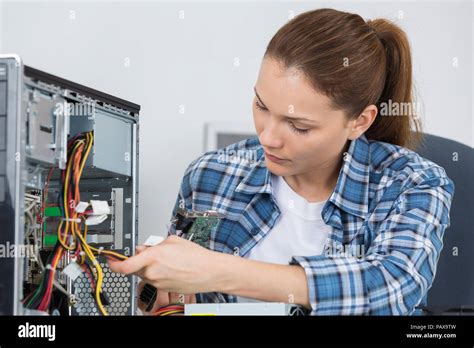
59, 141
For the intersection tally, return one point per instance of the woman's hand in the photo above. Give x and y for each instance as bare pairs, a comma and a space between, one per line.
175, 265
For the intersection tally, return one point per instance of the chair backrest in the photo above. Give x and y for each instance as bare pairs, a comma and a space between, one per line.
453, 287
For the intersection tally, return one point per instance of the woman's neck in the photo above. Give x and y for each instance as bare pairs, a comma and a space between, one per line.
316, 185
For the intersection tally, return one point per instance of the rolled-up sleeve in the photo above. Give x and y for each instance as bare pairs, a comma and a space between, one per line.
398, 267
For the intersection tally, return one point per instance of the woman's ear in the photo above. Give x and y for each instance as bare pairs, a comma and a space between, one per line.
363, 122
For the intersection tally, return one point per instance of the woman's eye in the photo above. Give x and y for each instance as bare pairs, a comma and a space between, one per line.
298, 130
260, 107
292, 126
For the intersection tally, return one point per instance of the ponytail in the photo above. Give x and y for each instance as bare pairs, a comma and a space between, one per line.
397, 95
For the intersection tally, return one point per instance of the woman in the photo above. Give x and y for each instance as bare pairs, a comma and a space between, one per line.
334, 212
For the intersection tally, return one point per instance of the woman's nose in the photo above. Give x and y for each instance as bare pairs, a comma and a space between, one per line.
270, 136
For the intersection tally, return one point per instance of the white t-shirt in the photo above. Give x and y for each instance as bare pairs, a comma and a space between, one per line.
300, 230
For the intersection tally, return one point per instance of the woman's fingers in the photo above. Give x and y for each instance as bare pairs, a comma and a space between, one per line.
176, 298
189, 299
133, 264
162, 299
140, 303
165, 298
140, 248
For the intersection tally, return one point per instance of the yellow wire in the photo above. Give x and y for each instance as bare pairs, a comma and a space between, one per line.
84, 243
100, 274
169, 313
66, 203
75, 231
90, 138
109, 252
59, 237
74, 225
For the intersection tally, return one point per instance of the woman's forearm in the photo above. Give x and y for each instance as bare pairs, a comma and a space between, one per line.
260, 280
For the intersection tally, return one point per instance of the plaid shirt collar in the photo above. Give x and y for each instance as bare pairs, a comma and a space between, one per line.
356, 164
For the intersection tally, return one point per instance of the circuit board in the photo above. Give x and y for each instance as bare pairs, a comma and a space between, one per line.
196, 226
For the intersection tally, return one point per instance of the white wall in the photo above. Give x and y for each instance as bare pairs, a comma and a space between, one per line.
190, 62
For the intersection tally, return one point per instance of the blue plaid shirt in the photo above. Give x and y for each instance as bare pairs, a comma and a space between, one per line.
388, 212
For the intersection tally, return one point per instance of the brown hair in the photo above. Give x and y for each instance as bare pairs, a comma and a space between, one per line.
356, 64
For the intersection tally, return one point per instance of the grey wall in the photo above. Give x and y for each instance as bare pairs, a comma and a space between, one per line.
144, 52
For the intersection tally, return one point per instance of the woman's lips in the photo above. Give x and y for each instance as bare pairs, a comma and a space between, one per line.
274, 158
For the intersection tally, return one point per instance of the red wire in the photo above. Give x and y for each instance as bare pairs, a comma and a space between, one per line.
69, 197
89, 275
44, 304
46, 300
168, 308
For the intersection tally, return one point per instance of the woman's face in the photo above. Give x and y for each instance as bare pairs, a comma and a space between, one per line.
295, 123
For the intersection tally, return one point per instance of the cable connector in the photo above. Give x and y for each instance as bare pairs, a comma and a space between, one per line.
148, 296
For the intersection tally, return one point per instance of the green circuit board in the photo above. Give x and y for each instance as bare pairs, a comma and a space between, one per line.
196, 226
201, 229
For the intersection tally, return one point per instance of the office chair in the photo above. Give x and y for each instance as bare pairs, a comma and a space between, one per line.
453, 287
